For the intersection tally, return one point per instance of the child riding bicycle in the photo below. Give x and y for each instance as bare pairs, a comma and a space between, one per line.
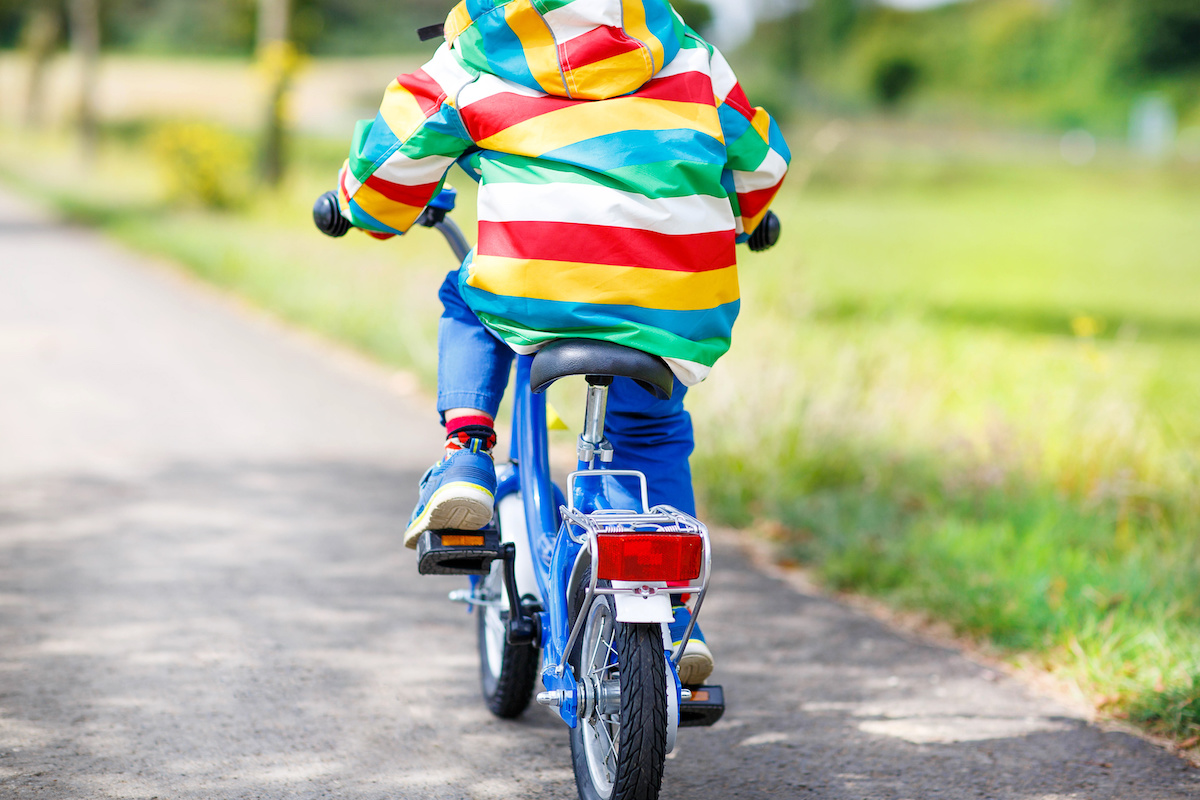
619, 162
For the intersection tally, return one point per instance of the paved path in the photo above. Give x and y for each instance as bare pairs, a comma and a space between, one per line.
202, 594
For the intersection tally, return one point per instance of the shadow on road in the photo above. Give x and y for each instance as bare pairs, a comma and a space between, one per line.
242, 629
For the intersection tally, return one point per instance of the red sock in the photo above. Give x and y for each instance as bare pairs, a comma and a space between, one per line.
461, 430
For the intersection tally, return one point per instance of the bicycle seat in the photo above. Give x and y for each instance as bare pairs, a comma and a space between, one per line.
598, 359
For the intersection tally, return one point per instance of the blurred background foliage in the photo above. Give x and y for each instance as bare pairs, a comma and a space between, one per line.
227, 27
967, 380
1043, 61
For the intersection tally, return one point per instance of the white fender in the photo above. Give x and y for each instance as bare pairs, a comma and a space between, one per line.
648, 605
512, 529
672, 697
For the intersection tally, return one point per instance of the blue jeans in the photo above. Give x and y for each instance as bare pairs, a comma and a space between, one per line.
649, 435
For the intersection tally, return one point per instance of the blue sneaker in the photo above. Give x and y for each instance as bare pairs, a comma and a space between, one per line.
456, 494
697, 662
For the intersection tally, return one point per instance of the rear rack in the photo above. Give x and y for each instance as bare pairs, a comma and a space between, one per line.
660, 519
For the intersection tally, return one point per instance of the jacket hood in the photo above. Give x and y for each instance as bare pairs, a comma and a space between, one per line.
581, 49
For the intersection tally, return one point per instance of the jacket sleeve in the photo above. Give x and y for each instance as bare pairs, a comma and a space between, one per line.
398, 161
757, 156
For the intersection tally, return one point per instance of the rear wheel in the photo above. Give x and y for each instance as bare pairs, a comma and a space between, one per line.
619, 747
507, 672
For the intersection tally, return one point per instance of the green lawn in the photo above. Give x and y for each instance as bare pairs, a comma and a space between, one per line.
981, 400
965, 383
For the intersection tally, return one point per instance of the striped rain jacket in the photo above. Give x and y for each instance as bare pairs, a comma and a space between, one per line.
619, 162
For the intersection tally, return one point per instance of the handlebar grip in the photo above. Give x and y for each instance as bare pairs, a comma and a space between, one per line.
327, 216
766, 234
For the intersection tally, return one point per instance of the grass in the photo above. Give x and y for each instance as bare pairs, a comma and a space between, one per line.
981, 392
966, 381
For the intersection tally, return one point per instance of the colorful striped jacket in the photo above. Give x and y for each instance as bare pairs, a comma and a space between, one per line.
618, 160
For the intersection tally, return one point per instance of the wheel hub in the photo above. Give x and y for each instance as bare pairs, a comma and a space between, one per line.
599, 698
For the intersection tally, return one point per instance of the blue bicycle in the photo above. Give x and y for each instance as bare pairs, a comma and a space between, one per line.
575, 587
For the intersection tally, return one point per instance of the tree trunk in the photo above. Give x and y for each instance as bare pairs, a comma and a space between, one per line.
274, 51
39, 39
85, 41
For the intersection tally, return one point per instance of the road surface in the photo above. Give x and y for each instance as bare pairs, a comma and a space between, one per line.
203, 593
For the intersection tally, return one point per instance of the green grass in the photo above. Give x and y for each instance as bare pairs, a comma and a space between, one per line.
982, 392
966, 381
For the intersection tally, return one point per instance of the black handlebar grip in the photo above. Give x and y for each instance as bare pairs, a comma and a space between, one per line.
328, 216
766, 234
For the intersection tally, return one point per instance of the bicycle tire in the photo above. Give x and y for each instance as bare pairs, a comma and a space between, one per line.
635, 771
507, 687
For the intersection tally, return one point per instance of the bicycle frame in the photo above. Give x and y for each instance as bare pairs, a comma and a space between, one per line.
599, 546
555, 547
550, 522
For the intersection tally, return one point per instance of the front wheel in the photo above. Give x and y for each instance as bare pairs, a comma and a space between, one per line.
619, 747
507, 672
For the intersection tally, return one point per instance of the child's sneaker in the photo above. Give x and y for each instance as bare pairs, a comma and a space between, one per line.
457, 493
697, 662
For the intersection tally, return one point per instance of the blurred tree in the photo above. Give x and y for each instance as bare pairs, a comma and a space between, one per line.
85, 42
1166, 35
894, 80
39, 38
1069, 62
696, 13
173, 27
368, 27
831, 23
228, 27
13, 15
277, 55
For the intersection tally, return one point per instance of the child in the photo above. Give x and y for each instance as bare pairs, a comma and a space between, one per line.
619, 163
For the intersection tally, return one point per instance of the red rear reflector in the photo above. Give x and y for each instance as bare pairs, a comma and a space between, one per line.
649, 556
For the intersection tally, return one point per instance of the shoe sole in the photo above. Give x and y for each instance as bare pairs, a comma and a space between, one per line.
453, 507
696, 664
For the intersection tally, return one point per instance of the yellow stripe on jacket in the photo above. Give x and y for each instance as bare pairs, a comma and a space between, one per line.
609, 77
401, 111
634, 14
587, 120
391, 213
457, 22
537, 40
573, 282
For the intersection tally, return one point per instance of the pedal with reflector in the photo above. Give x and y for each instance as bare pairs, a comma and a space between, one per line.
458, 552
705, 707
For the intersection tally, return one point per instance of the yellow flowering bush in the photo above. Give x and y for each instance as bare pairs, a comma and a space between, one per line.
201, 164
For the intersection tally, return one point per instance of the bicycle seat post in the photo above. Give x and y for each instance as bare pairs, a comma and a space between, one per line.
592, 441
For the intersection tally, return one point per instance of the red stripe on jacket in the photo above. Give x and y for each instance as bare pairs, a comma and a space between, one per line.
416, 196
596, 45
686, 87
427, 92
601, 244
489, 116
737, 98
752, 203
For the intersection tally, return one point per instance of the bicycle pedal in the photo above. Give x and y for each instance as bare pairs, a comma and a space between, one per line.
705, 707
458, 552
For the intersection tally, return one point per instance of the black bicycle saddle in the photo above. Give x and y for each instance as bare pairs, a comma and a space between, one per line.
600, 360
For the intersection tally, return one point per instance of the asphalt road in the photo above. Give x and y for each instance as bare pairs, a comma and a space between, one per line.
203, 594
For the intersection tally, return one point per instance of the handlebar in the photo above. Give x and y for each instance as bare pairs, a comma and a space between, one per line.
766, 234
327, 216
